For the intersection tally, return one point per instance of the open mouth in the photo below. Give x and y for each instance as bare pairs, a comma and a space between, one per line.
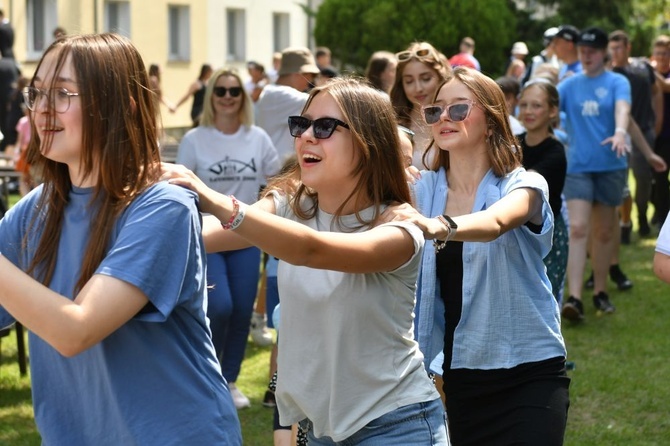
310, 159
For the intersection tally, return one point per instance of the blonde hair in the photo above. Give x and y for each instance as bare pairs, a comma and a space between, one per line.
246, 113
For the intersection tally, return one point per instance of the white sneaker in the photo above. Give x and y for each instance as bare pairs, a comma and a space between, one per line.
239, 399
260, 333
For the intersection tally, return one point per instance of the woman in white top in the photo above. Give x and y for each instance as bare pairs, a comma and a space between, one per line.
348, 363
232, 156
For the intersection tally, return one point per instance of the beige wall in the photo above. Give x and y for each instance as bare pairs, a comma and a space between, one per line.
149, 32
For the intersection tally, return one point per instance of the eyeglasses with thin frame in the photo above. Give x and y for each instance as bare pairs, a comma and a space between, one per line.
58, 98
323, 127
455, 112
420, 53
221, 91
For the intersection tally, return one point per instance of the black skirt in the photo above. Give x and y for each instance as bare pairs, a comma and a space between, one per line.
525, 405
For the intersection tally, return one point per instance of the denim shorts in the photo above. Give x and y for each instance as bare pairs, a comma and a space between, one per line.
596, 187
421, 424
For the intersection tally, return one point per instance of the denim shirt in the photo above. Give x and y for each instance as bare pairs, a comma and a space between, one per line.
509, 315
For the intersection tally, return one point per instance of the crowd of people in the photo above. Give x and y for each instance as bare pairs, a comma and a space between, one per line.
403, 222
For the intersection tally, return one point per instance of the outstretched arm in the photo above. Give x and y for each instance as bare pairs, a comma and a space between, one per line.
662, 266
192, 89
379, 249
513, 210
69, 326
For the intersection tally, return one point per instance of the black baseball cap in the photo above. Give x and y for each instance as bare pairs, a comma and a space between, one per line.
567, 32
593, 37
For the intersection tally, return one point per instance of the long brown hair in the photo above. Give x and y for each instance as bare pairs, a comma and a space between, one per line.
374, 131
401, 103
504, 153
119, 146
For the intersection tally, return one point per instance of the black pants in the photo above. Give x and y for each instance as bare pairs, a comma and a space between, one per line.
661, 190
511, 407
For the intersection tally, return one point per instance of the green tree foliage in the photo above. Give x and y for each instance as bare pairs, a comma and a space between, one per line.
641, 19
354, 29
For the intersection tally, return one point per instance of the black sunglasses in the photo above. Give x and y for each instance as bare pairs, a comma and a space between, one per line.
234, 91
455, 112
323, 127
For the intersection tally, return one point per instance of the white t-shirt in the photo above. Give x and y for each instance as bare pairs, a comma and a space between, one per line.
237, 164
274, 106
347, 353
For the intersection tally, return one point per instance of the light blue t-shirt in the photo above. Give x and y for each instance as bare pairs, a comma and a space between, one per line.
156, 379
589, 106
569, 69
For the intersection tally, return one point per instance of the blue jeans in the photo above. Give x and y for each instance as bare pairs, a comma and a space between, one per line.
232, 280
420, 424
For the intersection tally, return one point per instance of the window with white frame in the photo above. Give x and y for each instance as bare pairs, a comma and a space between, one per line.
42, 18
235, 19
117, 17
179, 32
280, 31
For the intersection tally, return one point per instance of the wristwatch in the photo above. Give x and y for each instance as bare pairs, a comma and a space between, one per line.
451, 228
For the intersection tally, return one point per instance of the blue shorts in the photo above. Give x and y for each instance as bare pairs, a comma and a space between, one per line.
596, 187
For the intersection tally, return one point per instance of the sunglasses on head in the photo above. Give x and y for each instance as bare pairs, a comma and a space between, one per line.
323, 127
234, 91
455, 112
407, 55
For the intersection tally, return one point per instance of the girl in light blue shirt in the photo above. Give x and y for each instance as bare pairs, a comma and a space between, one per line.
486, 317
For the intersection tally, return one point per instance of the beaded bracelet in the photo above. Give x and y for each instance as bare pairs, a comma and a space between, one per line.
233, 216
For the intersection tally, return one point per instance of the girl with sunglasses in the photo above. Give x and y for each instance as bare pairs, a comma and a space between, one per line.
232, 156
419, 71
348, 364
486, 316
103, 263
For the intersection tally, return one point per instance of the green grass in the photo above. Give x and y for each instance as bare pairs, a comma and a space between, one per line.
619, 392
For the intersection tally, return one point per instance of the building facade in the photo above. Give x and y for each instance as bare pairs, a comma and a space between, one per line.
178, 35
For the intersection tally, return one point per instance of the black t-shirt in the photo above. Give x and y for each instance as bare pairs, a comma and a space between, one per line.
548, 159
641, 77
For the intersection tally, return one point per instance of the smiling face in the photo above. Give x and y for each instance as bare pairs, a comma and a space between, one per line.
60, 133
227, 106
419, 81
469, 134
535, 112
326, 165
